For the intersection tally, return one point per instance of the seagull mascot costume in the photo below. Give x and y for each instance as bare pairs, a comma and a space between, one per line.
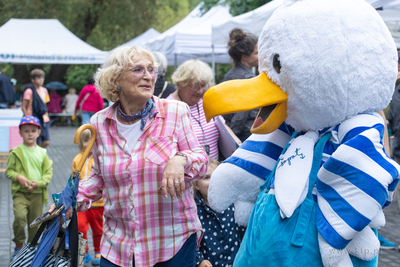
311, 181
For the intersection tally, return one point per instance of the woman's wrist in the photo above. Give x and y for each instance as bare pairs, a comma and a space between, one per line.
182, 158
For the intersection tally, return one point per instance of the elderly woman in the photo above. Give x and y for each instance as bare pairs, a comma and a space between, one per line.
192, 79
162, 89
144, 150
243, 49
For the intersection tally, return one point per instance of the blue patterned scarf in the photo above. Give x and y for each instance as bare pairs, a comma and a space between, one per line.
149, 110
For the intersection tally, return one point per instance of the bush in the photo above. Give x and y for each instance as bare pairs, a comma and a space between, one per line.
77, 75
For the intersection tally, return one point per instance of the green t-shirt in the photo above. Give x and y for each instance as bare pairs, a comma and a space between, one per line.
34, 161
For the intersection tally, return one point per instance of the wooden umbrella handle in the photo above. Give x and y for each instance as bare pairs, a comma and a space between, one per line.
89, 146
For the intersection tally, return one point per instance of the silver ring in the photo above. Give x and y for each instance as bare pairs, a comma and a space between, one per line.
177, 182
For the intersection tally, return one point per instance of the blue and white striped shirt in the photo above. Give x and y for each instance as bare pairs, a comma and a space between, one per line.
356, 180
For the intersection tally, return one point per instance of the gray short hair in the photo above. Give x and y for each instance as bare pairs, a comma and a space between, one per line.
192, 71
162, 61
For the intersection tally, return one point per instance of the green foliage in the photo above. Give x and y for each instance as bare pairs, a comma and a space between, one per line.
107, 24
102, 24
220, 71
236, 7
77, 75
7, 69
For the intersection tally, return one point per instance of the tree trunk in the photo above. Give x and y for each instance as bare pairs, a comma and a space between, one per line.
57, 73
21, 74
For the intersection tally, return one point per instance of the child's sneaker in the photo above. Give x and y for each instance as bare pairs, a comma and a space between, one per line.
96, 260
386, 244
16, 250
87, 258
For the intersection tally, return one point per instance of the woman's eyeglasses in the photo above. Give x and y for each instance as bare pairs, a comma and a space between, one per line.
199, 85
139, 72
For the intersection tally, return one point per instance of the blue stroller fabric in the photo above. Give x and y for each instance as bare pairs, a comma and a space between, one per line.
67, 198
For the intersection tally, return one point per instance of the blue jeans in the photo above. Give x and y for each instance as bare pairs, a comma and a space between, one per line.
186, 256
86, 115
45, 136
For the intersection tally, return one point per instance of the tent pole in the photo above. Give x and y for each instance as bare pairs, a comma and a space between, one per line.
213, 63
176, 61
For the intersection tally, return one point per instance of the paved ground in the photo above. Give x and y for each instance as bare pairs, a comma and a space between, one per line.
62, 150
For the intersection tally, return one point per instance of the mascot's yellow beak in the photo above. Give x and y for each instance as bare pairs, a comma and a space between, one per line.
241, 95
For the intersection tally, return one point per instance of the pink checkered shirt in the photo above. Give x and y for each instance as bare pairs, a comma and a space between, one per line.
138, 220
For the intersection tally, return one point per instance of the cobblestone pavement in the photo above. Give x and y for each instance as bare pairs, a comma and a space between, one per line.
62, 150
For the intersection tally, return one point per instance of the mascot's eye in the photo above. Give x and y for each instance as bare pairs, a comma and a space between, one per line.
277, 63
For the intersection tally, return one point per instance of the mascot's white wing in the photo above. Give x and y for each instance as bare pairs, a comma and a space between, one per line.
238, 179
356, 182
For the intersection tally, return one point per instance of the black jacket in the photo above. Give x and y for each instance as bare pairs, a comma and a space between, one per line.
7, 94
160, 85
394, 121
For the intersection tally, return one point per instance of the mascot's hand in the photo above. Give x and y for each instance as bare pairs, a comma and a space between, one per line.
242, 211
231, 184
379, 221
365, 245
332, 257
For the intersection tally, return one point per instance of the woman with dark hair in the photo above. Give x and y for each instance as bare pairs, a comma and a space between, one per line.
243, 49
89, 101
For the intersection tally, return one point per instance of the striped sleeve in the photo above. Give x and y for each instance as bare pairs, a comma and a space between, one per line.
259, 153
356, 182
197, 161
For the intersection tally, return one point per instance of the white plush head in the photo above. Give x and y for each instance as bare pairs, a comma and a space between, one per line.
337, 59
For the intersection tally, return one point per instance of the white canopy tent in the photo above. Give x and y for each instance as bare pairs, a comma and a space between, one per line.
44, 41
191, 37
255, 20
252, 22
144, 37
390, 13
387, 4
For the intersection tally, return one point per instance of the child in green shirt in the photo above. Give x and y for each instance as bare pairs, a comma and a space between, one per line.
30, 170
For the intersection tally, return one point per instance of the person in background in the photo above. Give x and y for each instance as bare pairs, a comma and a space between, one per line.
146, 157
94, 215
7, 94
54, 105
222, 236
37, 79
162, 89
69, 102
89, 101
192, 79
30, 170
394, 118
394, 151
243, 49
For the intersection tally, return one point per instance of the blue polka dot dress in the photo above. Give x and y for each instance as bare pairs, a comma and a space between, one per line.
222, 236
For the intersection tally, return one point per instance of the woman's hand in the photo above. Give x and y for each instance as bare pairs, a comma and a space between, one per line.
173, 181
68, 213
